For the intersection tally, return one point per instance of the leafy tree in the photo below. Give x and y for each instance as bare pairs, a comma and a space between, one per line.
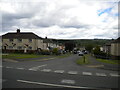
89, 47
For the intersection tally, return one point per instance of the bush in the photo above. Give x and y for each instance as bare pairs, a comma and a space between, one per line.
56, 51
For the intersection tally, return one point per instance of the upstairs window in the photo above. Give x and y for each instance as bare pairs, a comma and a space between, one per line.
30, 40
19, 40
11, 40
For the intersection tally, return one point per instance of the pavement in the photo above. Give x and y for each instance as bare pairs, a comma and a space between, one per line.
96, 64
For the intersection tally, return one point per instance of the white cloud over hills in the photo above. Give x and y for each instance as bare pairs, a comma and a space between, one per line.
62, 19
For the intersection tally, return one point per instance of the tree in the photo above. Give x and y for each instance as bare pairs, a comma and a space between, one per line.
89, 47
97, 51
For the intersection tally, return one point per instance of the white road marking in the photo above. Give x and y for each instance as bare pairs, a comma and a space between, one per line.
32, 69
37, 67
86, 73
1, 66
21, 68
46, 70
59, 71
9, 67
73, 72
114, 75
55, 85
68, 81
101, 74
48, 84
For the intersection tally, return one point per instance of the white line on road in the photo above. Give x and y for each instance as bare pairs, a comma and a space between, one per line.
37, 67
101, 74
56, 85
86, 73
114, 75
9, 67
46, 70
21, 68
59, 71
73, 72
68, 81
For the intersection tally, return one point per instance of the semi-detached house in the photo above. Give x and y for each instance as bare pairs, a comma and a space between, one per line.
22, 41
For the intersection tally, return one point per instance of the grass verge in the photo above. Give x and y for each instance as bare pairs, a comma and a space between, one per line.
109, 61
82, 61
64, 55
22, 56
25, 56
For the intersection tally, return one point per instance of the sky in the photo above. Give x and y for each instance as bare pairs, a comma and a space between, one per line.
61, 19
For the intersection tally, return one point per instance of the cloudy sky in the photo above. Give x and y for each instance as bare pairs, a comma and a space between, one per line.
61, 19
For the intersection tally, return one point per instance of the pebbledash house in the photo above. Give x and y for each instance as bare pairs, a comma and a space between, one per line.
22, 41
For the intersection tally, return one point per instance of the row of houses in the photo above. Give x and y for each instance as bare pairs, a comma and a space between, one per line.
27, 41
112, 48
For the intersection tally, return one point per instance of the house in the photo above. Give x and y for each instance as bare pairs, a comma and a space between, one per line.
115, 49
107, 48
49, 44
22, 41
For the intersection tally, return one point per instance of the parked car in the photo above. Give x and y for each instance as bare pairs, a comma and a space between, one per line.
80, 54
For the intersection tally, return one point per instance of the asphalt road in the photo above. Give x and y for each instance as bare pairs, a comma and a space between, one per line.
56, 73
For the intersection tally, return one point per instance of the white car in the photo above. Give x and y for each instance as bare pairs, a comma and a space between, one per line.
80, 54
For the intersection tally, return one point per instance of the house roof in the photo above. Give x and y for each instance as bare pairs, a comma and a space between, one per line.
21, 35
117, 40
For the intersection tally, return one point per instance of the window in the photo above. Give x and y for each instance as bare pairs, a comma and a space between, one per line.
30, 40
10, 47
11, 40
19, 47
30, 48
19, 40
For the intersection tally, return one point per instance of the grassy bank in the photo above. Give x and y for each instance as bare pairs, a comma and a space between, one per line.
109, 61
25, 56
64, 55
22, 56
82, 61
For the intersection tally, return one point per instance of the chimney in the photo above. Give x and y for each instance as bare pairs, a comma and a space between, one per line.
18, 31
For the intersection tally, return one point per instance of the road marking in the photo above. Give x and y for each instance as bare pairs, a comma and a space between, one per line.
114, 75
86, 73
46, 70
32, 69
21, 68
9, 67
1, 66
73, 72
101, 74
37, 67
68, 81
56, 85
59, 71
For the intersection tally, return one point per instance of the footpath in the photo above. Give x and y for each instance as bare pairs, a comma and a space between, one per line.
101, 65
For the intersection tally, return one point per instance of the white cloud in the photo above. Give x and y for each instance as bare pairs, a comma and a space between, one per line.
61, 19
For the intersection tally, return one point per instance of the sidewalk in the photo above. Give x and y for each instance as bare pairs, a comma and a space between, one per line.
102, 65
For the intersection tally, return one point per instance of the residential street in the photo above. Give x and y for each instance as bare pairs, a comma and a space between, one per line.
58, 72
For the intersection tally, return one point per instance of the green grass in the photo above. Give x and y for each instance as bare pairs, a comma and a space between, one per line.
81, 60
64, 55
25, 56
109, 61
22, 56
